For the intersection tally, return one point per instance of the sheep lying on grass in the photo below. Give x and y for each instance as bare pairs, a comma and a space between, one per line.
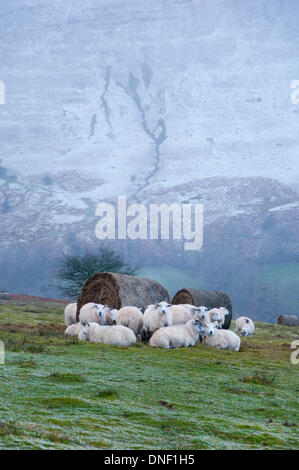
178, 336
92, 312
218, 315
70, 314
223, 339
245, 326
74, 329
130, 317
114, 335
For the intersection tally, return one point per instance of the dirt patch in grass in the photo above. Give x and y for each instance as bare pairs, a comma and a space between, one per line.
7, 428
27, 363
49, 329
22, 344
260, 379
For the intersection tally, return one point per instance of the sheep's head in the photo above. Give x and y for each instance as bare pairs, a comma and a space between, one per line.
200, 311
201, 314
244, 332
215, 315
101, 311
211, 328
224, 310
113, 316
84, 334
162, 307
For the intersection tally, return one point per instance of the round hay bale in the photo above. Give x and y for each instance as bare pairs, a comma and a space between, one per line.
118, 290
208, 298
288, 320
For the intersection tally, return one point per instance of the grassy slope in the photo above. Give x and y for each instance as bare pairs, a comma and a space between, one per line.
59, 393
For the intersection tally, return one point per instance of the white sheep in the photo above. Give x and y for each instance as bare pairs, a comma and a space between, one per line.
74, 329
92, 312
245, 326
218, 315
114, 335
130, 317
202, 314
70, 314
164, 314
190, 308
109, 319
178, 314
113, 315
178, 336
223, 339
156, 316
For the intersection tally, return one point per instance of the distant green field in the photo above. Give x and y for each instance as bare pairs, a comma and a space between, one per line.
282, 272
58, 393
173, 278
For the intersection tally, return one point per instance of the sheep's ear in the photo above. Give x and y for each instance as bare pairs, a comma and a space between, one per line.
156, 305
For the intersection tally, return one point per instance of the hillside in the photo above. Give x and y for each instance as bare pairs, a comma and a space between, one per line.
57, 393
112, 98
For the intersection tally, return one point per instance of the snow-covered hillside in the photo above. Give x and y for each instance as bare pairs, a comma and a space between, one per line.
148, 99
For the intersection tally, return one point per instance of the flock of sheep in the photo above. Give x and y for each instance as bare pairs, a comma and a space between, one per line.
165, 325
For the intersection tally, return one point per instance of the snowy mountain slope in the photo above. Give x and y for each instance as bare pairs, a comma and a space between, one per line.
136, 98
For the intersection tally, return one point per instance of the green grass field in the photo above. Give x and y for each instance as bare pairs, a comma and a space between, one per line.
57, 393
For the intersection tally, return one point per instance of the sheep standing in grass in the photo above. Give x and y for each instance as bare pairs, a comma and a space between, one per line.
92, 312
114, 335
131, 317
202, 314
155, 316
245, 326
178, 336
70, 314
223, 339
74, 329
